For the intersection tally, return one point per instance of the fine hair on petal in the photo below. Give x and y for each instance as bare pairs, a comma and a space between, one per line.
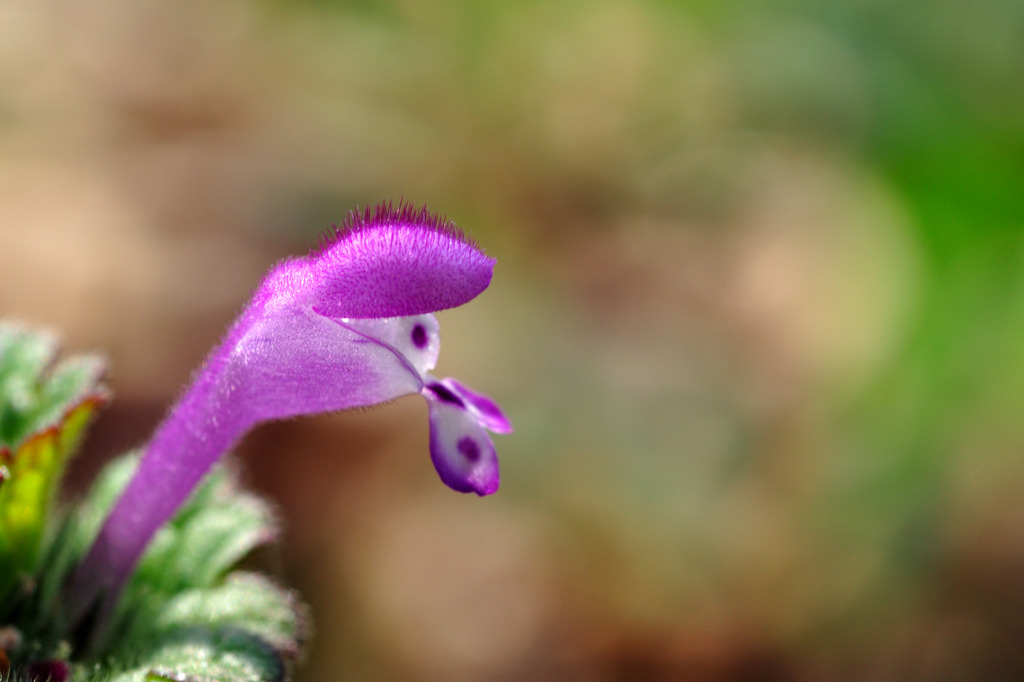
388, 213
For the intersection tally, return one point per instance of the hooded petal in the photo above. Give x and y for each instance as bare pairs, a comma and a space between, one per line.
397, 262
460, 448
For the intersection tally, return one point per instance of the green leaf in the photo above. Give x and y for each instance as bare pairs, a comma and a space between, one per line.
184, 616
35, 395
245, 630
44, 410
211, 534
216, 528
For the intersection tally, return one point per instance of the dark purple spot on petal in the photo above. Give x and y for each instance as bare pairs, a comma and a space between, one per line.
419, 336
445, 394
469, 448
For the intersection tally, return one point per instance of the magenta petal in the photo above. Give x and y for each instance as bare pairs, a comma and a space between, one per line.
395, 263
298, 362
460, 447
486, 410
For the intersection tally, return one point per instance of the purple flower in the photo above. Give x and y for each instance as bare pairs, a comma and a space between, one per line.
349, 325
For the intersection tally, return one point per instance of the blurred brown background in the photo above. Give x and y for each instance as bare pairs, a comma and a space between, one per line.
758, 314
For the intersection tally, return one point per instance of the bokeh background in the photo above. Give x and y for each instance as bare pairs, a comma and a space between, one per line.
758, 314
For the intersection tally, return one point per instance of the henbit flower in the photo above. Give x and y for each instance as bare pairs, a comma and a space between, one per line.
349, 325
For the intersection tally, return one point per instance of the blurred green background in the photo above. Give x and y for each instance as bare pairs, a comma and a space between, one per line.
758, 314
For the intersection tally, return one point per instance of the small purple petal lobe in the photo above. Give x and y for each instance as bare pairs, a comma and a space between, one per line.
460, 448
485, 409
445, 394
395, 263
